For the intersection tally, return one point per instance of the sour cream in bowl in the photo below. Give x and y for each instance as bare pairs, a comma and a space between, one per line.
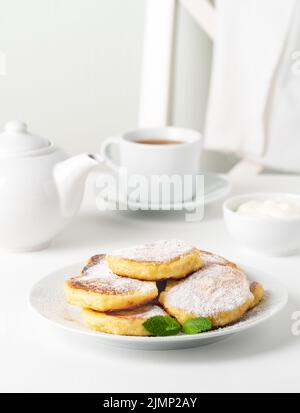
268, 223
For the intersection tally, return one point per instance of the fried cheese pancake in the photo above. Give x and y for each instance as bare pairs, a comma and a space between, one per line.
100, 289
220, 293
125, 323
156, 261
258, 291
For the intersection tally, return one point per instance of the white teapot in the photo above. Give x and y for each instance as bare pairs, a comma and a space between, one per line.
41, 188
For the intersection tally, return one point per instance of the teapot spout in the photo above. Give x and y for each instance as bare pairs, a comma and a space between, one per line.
70, 177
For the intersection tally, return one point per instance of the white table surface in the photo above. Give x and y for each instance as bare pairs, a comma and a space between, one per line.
36, 357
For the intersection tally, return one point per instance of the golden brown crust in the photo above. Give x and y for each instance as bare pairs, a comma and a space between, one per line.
92, 287
99, 289
95, 259
129, 323
104, 302
211, 258
258, 291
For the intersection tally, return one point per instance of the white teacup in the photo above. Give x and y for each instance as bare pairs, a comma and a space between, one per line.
165, 153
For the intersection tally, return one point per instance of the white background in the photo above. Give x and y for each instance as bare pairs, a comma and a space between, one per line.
74, 68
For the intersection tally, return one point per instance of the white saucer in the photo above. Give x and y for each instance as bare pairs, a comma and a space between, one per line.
47, 299
216, 187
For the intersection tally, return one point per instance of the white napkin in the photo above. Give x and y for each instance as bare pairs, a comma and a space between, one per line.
251, 36
283, 117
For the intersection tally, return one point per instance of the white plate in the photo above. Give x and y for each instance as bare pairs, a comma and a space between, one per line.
47, 299
216, 187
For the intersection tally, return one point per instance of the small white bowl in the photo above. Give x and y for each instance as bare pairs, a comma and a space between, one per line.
265, 235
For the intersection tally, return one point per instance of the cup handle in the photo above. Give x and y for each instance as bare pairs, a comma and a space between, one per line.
104, 152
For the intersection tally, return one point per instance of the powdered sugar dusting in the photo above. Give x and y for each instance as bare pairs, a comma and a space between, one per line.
151, 311
211, 258
211, 290
142, 312
99, 277
158, 251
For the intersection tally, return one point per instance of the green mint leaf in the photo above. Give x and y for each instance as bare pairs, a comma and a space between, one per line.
197, 325
162, 326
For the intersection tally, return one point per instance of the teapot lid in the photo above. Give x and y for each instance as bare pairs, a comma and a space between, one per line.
16, 140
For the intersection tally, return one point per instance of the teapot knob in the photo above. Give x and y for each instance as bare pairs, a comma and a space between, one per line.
16, 126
